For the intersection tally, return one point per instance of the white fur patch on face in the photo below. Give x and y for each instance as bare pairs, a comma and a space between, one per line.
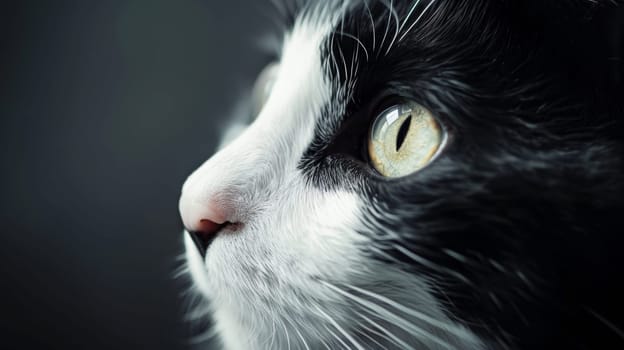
277, 280
292, 234
257, 276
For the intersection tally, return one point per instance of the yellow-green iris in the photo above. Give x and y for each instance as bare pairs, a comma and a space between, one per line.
404, 138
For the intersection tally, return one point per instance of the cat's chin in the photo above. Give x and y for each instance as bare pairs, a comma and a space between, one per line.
233, 268
271, 313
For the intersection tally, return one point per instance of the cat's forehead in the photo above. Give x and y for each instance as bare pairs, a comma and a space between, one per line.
340, 57
368, 31
360, 47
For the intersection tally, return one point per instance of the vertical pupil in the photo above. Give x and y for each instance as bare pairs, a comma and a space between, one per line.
403, 132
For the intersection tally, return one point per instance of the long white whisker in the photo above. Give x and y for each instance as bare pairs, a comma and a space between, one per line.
430, 264
340, 329
397, 320
357, 41
360, 331
287, 335
396, 32
393, 338
354, 56
209, 334
419, 315
416, 21
380, 252
324, 343
272, 337
390, 12
607, 323
373, 28
344, 62
331, 52
383, 38
409, 14
293, 323
181, 271
337, 338
302, 338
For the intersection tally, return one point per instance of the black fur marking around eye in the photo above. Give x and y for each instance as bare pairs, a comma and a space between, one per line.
519, 221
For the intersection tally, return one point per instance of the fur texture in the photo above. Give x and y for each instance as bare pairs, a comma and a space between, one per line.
510, 239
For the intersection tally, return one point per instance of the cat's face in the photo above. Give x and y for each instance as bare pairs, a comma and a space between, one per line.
313, 229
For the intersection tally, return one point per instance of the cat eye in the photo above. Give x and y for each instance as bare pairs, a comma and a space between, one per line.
262, 87
403, 139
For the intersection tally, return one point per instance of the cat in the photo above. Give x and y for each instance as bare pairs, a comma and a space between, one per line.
421, 175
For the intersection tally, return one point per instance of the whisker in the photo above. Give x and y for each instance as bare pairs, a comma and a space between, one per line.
358, 41
373, 27
397, 320
337, 338
396, 32
292, 323
390, 13
324, 343
344, 62
208, 335
431, 265
409, 14
394, 338
332, 54
340, 329
272, 336
360, 331
287, 334
180, 271
607, 323
416, 21
353, 60
421, 316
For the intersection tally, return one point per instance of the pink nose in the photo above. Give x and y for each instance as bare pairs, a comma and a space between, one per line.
201, 215
202, 219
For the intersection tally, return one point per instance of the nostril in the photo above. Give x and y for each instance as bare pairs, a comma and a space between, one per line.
204, 235
204, 216
208, 227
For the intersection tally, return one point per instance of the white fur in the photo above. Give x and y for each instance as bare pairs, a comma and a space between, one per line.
281, 281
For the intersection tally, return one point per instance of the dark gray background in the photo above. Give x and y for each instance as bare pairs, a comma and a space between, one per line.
105, 108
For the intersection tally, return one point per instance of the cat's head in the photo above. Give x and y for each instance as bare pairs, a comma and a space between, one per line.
419, 175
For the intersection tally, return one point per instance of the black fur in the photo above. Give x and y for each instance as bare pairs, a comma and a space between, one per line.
519, 221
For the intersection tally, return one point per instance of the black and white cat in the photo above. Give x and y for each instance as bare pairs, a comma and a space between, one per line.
421, 175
